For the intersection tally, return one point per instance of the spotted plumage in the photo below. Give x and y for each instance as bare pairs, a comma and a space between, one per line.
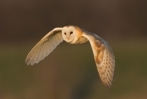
103, 55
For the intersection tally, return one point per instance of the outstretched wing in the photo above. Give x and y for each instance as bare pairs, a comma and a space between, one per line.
103, 56
45, 46
106, 65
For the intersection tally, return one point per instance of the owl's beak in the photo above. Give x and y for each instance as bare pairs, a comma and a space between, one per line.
68, 37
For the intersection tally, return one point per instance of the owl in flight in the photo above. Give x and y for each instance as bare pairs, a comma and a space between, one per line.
103, 55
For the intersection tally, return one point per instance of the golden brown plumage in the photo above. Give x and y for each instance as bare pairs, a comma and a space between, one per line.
103, 55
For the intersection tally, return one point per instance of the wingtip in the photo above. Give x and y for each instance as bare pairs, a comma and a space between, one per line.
108, 86
27, 62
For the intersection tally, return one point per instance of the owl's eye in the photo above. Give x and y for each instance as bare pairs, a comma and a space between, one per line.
65, 33
71, 32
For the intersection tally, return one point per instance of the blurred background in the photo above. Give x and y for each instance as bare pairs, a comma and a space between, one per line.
69, 72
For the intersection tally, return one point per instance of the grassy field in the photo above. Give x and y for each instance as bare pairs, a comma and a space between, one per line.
69, 72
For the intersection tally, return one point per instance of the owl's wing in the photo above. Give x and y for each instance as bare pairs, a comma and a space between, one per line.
45, 46
104, 58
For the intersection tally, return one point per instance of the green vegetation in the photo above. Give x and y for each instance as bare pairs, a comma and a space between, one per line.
69, 72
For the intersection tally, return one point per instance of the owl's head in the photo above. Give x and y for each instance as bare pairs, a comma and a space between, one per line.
69, 33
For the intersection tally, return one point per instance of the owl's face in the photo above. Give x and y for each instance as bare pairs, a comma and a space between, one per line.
69, 33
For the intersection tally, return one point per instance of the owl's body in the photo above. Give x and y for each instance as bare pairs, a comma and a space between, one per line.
103, 54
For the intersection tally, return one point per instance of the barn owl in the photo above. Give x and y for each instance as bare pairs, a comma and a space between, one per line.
103, 55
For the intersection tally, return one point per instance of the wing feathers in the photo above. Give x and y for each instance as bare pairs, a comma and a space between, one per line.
45, 46
103, 56
107, 65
